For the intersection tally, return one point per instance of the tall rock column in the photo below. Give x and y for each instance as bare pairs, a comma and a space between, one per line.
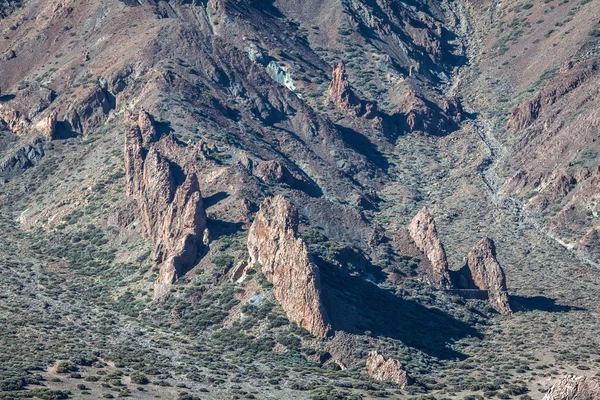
423, 231
172, 213
287, 264
487, 274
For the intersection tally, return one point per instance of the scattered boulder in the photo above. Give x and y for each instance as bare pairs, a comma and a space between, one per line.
272, 171
423, 231
387, 370
273, 244
169, 198
574, 388
487, 274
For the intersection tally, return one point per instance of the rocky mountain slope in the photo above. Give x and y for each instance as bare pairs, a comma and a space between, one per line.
325, 199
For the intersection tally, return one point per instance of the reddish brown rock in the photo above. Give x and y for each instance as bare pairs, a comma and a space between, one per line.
423, 231
344, 97
387, 370
574, 388
272, 172
418, 114
568, 80
487, 274
173, 215
590, 243
287, 264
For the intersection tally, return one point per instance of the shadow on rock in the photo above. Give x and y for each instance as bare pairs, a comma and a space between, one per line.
223, 228
362, 145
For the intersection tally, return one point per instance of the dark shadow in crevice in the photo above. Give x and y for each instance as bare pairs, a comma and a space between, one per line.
163, 128
6, 97
64, 131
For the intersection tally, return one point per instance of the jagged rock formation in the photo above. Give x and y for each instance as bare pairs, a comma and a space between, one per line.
423, 231
418, 114
574, 388
169, 197
344, 97
487, 274
570, 78
273, 244
387, 370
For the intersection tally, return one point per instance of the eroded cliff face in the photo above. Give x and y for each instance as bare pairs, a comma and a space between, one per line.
387, 370
487, 274
574, 388
555, 155
169, 197
273, 245
423, 231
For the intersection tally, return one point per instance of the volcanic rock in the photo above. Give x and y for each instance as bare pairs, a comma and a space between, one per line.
574, 388
423, 231
287, 264
170, 201
344, 97
387, 370
487, 274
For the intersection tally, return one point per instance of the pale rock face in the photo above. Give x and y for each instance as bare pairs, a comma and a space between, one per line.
47, 125
574, 388
487, 274
173, 216
424, 233
387, 370
287, 264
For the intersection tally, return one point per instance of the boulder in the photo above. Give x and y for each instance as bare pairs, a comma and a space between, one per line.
387, 370
574, 388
